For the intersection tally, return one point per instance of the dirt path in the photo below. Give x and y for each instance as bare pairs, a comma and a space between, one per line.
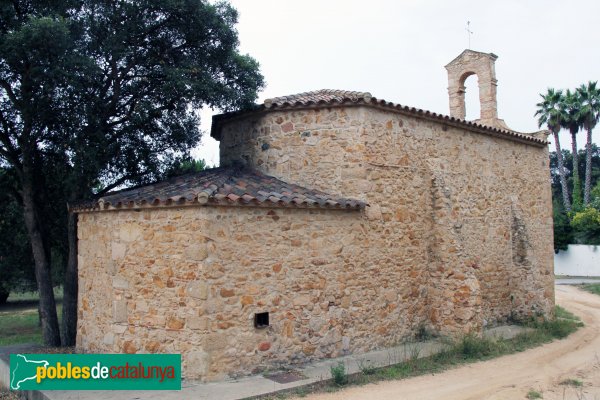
511, 377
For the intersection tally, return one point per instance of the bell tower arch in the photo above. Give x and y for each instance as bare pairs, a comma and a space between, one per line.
469, 63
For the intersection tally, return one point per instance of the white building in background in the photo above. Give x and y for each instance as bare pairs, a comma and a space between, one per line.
578, 260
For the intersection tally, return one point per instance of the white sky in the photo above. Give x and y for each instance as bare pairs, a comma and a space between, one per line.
396, 50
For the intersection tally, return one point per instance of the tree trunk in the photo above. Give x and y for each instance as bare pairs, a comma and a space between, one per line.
561, 173
50, 331
588, 168
4, 293
576, 180
69, 316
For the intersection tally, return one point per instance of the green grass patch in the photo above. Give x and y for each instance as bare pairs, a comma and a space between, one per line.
572, 382
21, 327
470, 348
592, 288
19, 319
560, 312
533, 394
16, 297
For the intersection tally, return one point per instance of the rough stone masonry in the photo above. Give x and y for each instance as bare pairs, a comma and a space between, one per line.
353, 222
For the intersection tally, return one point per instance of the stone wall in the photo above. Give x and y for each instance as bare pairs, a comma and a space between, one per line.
189, 280
476, 207
457, 235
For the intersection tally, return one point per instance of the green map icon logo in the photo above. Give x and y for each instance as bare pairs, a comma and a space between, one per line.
69, 371
24, 369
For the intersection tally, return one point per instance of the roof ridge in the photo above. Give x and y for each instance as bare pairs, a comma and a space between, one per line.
317, 96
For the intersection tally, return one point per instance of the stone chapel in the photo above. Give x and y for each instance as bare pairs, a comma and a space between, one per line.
337, 223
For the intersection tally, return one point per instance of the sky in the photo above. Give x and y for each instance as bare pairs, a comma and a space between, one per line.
397, 50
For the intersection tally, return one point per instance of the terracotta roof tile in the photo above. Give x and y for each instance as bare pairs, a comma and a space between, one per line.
330, 97
218, 186
324, 96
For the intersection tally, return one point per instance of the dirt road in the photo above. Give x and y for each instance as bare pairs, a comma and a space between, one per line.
511, 377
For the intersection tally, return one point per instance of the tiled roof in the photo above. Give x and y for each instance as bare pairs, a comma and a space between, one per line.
329, 98
219, 186
324, 96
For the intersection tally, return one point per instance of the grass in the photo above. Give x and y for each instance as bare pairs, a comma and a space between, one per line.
21, 327
533, 394
592, 288
560, 312
575, 277
19, 319
470, 348
572, 382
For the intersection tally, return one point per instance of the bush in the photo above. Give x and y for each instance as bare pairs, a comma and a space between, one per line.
586, 225
366, 367
473, 347
560, 328
339, 375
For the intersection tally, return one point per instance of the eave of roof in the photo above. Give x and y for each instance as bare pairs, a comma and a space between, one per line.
341, 98
218, 187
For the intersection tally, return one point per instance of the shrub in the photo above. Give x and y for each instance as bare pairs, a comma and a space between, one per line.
473, 347
339, 375
586, 224
532, 394
366, 367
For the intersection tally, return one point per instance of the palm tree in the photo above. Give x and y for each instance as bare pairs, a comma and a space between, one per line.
550, 115
571, 120
589, 110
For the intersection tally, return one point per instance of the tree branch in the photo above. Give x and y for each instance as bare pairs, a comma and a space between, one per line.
11, 95
127, 115
117, 183
18, 10
11, 154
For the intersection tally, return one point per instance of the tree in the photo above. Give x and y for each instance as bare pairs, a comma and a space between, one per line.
571, 119
596, 197
186, 165
575, 227
568, 159
586, 225
563, 232
550, 115
100, 94
16, 264
589, 113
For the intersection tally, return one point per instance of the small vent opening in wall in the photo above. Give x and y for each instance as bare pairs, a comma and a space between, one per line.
261, 320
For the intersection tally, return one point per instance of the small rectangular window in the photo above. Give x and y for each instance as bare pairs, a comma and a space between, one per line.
261, 320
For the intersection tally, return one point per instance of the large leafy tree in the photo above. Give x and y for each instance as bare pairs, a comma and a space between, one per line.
16, 264
574, 227
549, 115
98, 94
589, 113
571, 120
568, 158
